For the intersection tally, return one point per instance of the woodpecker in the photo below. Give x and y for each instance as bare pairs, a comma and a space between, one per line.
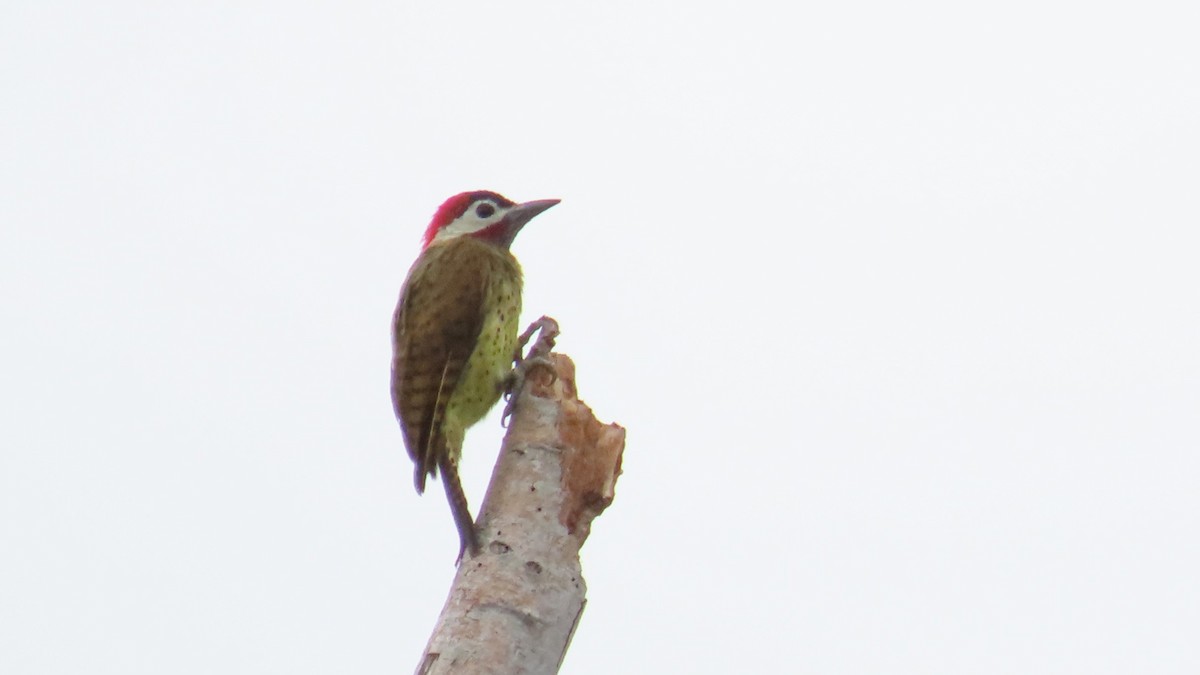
454, 335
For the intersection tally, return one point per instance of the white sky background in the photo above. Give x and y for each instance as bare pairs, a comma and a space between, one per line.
899, 304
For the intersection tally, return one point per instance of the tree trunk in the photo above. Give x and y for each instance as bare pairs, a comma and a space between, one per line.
513, 607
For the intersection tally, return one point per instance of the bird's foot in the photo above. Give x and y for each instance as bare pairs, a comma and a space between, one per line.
545, 341
537, 357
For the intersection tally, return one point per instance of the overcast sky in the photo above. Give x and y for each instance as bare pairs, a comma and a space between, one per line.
899, 304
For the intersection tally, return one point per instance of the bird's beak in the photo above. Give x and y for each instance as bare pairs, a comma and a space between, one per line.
516, 218
520, 214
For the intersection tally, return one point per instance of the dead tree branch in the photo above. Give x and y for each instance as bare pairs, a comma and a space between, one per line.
513, 607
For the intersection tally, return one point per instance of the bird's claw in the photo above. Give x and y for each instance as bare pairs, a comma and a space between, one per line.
545, 341
538, 356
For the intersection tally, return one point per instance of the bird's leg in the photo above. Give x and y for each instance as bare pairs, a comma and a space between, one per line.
538, 356
468, 539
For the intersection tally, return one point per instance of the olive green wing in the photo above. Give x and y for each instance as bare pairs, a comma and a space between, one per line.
435, 328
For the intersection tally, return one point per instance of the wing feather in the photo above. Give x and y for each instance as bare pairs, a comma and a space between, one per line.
435, 328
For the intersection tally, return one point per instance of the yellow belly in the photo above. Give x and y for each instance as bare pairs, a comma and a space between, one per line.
483, 378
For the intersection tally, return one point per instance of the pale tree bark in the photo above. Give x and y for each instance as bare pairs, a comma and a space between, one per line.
513, 607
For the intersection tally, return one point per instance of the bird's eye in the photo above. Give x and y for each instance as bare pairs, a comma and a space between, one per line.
485, 210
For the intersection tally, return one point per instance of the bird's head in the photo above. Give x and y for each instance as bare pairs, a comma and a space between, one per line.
483, 215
